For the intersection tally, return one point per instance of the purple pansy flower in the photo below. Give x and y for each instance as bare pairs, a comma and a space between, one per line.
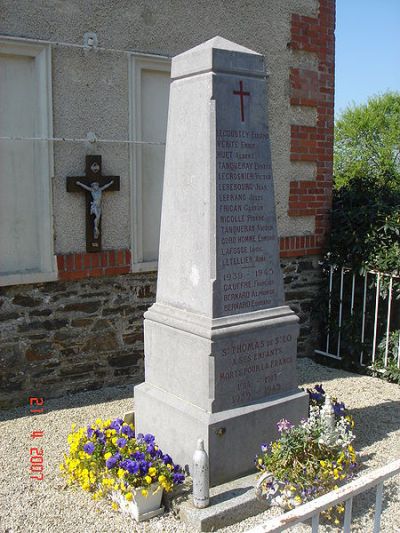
138, 456
339, 408
131, 466
89, 448
100, 436
111, 462
126, 430
178, 478
144, 467
121, 442
149, 439
167, 459
116, 424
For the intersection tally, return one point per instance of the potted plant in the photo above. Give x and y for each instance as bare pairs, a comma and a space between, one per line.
310, 459
109, 460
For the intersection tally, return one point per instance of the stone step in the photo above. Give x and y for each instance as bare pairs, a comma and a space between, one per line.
229, 503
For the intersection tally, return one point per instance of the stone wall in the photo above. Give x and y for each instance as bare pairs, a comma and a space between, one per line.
64, 337
302, 278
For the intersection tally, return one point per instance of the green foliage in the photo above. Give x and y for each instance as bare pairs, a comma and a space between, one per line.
366, 198
366, 226
367, 142
392, 374
392, 371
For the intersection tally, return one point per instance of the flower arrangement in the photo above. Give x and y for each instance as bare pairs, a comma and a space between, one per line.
310, 459
107, 458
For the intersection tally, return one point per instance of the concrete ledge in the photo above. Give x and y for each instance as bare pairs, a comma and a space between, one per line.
229, 503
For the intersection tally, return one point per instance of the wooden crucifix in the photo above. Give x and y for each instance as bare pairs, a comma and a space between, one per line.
94, 184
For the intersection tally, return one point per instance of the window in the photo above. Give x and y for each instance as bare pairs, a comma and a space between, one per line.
26, 236
149, 81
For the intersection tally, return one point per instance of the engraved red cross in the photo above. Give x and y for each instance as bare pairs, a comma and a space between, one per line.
241, 93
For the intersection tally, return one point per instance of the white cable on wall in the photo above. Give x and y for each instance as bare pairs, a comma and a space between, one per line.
77, 140
81, 46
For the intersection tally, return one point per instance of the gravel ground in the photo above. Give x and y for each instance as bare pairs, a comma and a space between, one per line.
48, 506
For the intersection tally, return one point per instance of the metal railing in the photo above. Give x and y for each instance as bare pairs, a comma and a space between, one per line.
345, 494
364, 301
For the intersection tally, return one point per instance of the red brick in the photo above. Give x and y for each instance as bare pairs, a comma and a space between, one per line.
104, 259
60, 262
96, 272
73, 275
69, 266
95, 259
111, 257
78, 261
115, 271
86, 260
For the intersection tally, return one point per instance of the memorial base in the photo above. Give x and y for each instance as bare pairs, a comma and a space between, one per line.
232, 438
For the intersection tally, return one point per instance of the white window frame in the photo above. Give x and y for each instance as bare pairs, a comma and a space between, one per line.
43, 157
137, 63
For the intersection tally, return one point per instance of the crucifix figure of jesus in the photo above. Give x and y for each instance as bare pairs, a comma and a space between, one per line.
95, 205
241, 93
94, 184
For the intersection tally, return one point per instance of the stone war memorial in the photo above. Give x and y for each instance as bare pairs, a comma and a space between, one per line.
220, 344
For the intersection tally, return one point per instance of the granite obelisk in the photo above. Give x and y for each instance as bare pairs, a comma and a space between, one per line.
220, 345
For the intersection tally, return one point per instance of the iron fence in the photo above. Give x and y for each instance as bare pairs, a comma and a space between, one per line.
362, 320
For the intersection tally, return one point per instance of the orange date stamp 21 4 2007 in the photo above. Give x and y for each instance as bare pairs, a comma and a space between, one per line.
36, 454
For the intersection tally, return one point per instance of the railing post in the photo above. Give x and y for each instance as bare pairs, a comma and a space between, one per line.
315, 523
340, 312
363, 317
388, 320
329, 307
378, 507
347, 515
398, 353
378, 283
353, 285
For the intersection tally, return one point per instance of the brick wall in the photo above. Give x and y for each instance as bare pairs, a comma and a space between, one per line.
93, 265
313, 144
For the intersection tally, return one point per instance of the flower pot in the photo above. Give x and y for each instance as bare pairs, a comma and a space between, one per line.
141, 507
273, 493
